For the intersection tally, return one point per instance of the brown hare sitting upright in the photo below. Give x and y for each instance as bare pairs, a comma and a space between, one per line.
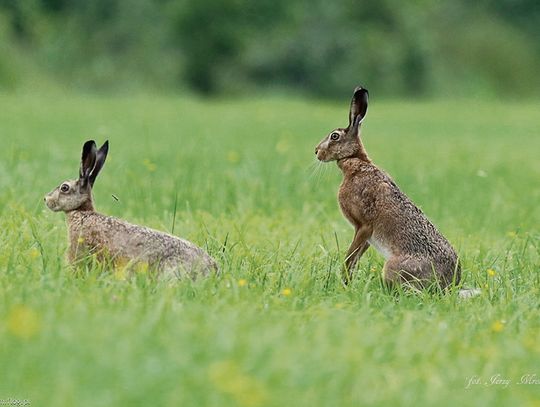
383, 216
115, 240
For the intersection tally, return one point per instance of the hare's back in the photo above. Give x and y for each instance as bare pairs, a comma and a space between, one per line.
139, 242
415, 233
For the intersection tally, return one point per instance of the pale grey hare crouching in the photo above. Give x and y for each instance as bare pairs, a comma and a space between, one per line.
115, 240
416, 253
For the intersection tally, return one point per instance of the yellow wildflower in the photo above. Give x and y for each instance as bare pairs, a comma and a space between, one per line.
80, 240
286, 292
120, 273
34, 253
498, 326
23, 322
491, 272
242, 282
228, 378
150, 166
141, 267
233, 157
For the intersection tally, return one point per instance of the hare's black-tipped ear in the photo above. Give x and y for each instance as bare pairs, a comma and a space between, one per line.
359, 106
88, 160
101, 155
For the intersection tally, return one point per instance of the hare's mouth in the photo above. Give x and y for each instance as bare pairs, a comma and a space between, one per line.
322, 156
51, 205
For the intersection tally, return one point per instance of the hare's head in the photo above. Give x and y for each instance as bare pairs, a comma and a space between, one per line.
77, 194
345, 142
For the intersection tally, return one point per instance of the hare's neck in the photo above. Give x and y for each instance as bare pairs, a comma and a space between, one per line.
87, 206
353, 164
75, 220
76, 231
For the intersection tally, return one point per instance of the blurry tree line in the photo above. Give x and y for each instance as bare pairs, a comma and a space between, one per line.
320, 47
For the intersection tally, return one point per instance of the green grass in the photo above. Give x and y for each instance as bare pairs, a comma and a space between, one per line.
247, 187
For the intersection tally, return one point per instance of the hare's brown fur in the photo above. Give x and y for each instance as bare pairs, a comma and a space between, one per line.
382, 215
122, 242
116, 240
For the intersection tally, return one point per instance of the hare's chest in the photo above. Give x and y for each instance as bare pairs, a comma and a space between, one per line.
352, 204
381, 246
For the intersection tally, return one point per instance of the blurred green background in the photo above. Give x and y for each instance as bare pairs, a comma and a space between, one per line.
487, 48
236, 174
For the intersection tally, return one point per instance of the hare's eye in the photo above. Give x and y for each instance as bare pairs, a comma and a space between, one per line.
64, 188
334, 136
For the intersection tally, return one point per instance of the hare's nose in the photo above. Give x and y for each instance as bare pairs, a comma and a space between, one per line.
316, 151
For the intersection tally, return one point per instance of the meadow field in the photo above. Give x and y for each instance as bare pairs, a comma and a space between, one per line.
276, 327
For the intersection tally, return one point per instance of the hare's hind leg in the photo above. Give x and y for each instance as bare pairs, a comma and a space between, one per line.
408, 270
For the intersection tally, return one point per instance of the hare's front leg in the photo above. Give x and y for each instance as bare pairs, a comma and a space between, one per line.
358, 246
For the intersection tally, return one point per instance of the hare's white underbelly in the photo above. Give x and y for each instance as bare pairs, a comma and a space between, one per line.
381, 247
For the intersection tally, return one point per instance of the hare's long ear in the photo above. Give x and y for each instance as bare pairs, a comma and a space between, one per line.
101, 155
359, 106
88, 160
